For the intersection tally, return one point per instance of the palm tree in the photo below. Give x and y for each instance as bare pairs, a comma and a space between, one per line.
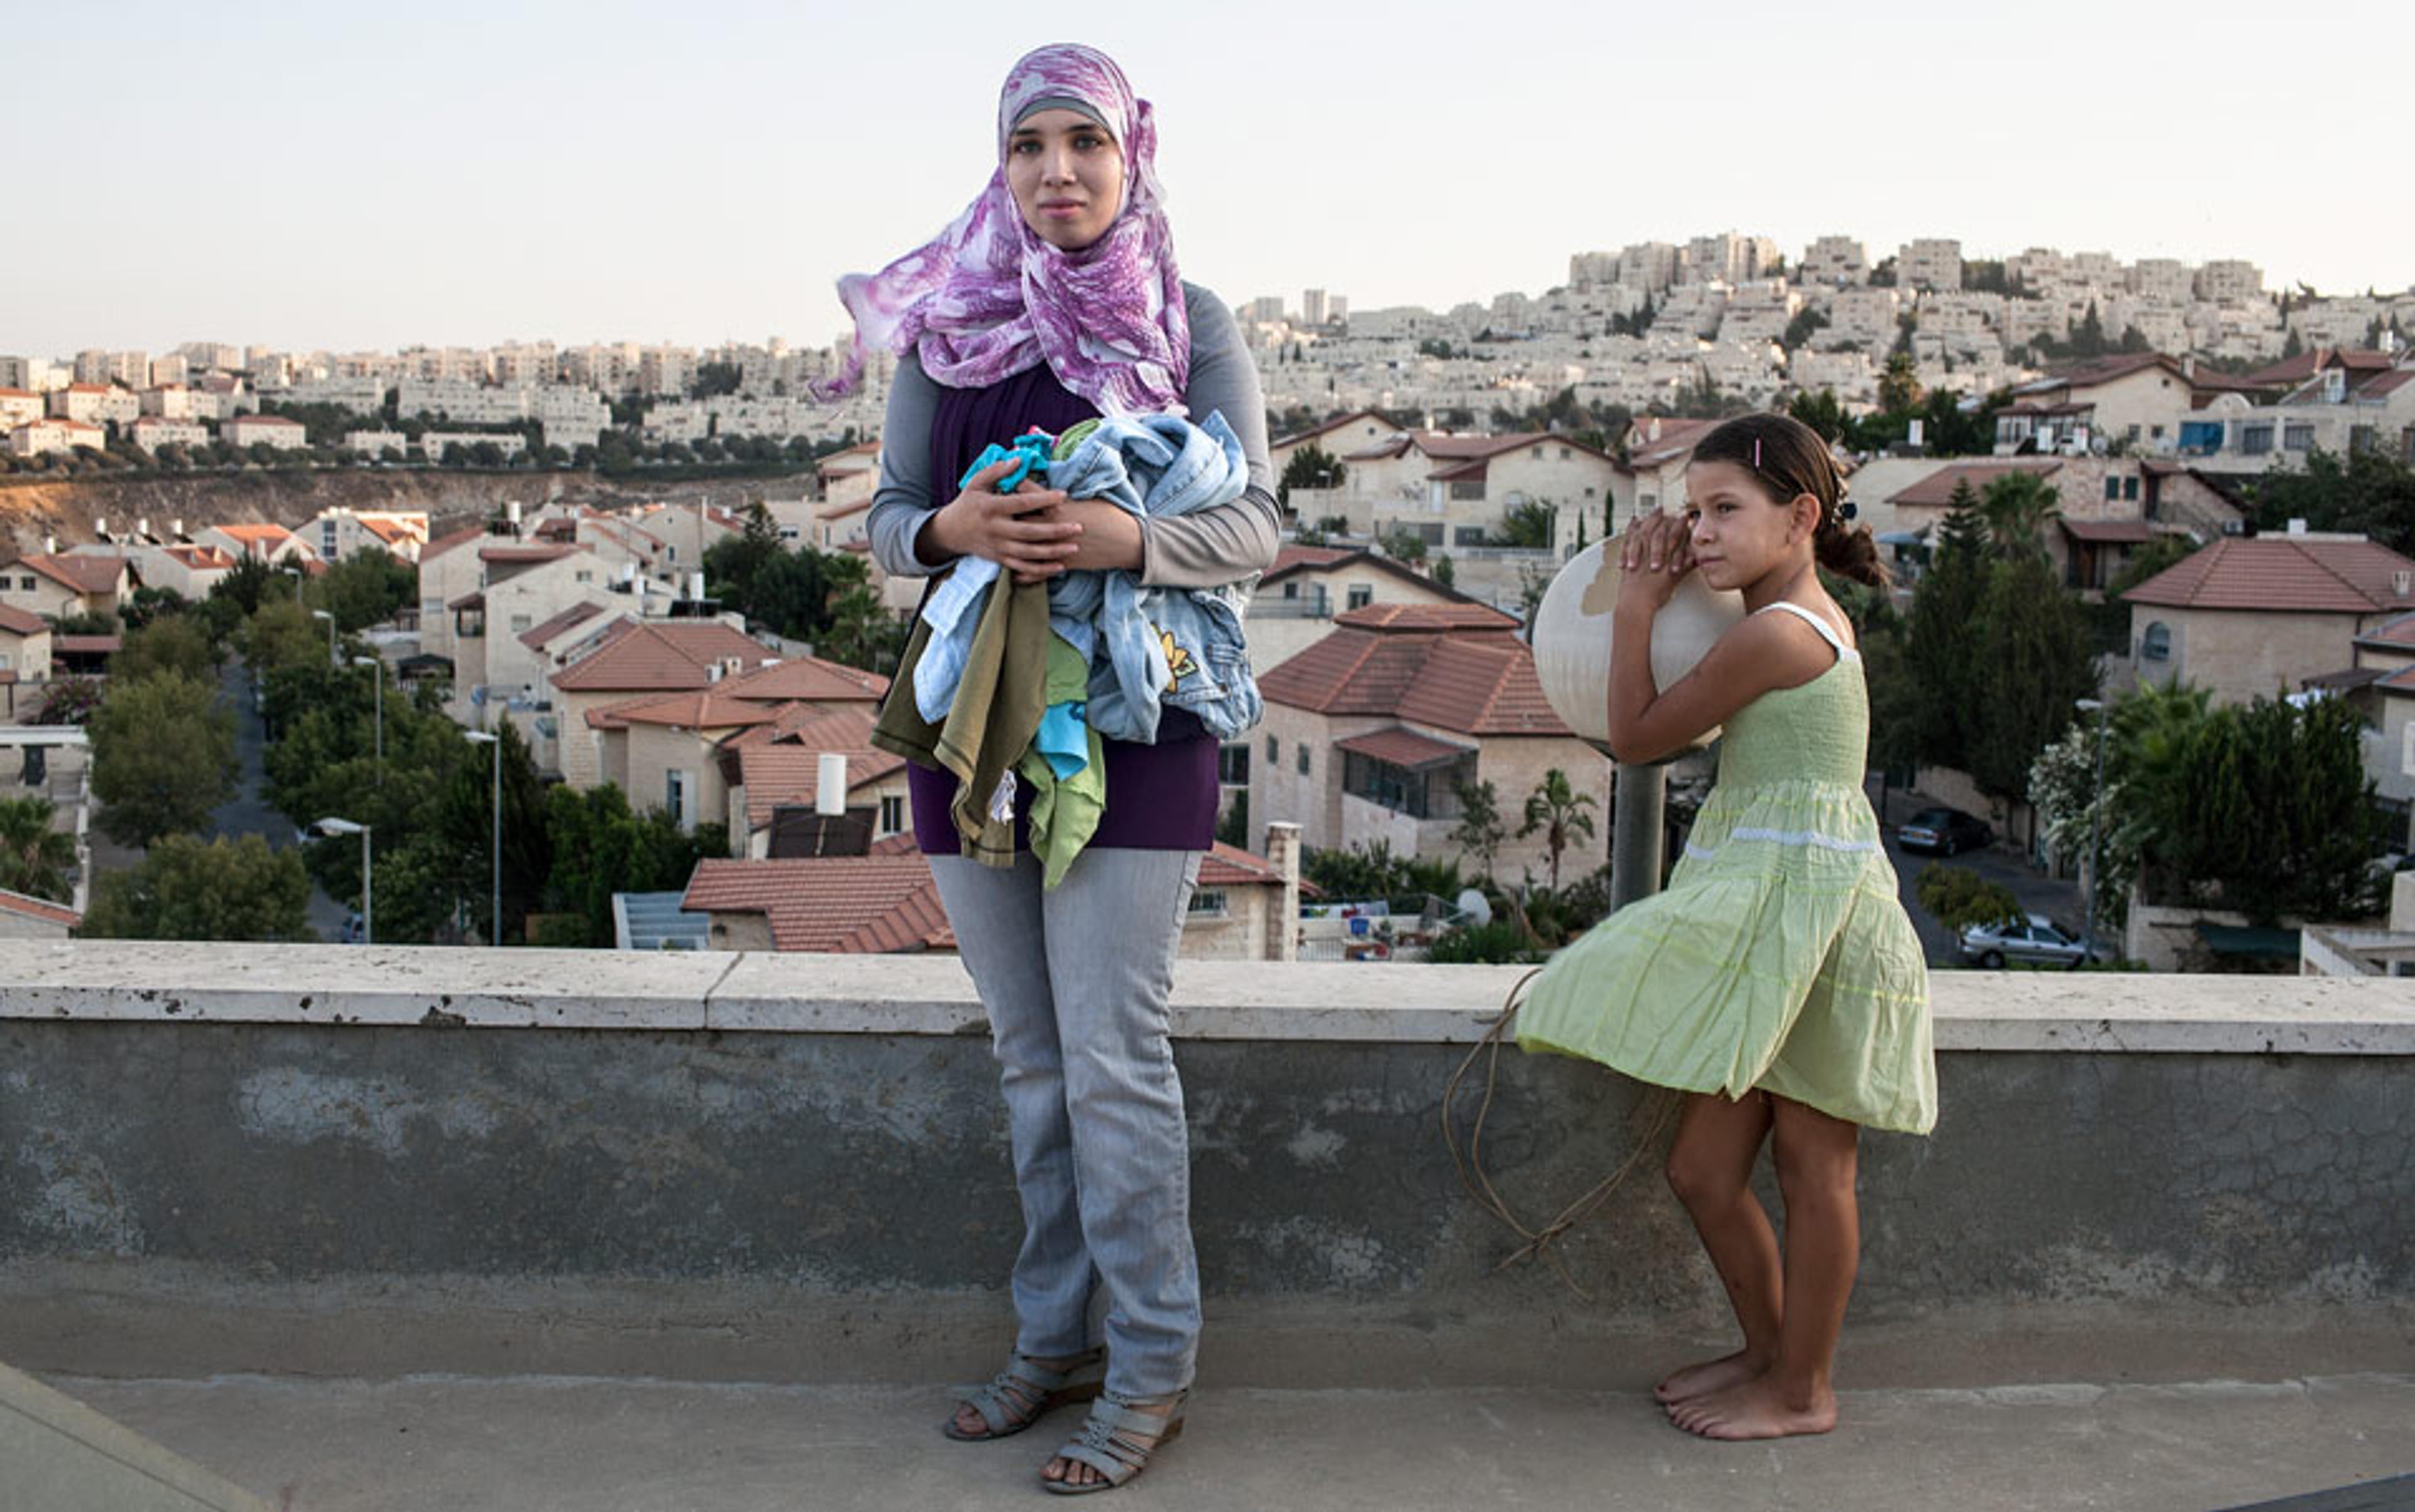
35, 858
2017, 507
1558, 810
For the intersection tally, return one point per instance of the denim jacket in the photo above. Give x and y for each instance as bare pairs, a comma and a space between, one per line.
1147, 646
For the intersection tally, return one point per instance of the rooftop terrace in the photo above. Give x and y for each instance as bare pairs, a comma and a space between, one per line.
363, 1227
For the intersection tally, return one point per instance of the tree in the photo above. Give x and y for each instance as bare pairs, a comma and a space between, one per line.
1823, 412
1403, 544
865, 633
1899, 384
1558, 810
1940, 652
2036, 650
163, 758
1479, 830
1960, 898
174, 643
189, 888
2016, 508
364, 589
1311, 467
599, 847
36, 858
2369, 492
1445, 574
1528, 526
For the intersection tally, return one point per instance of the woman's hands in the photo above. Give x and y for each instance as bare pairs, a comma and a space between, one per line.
1021, 531
1655, 552
1034, 534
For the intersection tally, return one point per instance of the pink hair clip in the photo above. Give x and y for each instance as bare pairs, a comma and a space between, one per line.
1756, 453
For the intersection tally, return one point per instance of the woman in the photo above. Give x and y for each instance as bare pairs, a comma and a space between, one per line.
1055, 298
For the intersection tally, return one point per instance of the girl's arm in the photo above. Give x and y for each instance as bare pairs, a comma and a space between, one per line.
1758, 656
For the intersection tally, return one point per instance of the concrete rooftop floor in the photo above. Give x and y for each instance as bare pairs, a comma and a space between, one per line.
2170, 1429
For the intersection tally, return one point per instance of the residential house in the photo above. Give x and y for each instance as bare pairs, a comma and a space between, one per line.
62, 584
96, 404
1293, 603
446, 572
634, 658
2380, 679
1658, 450
849, 476
25, 645
2138, 402
773, 769
271, 544
337, 533
2346, 402
659, 750
1368, 734
264, 429
1244, 908
24, 916
37, 436
1340, 439
525, 585
2252, 617
154, 431
190, 571
1454, 492
19, 407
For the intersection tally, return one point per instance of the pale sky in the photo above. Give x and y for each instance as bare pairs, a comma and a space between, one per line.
339, 177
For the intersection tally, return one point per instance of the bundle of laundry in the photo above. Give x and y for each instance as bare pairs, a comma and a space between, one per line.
997, 690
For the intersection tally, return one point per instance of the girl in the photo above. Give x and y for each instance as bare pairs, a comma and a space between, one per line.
1052, 299
1776, 982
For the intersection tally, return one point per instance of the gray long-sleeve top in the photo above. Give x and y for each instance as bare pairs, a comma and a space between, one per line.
1204, 548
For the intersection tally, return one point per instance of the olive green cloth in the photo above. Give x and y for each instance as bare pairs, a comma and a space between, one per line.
990, 724
1065, 811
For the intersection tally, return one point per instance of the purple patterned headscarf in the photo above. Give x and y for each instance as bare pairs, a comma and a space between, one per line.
988, 298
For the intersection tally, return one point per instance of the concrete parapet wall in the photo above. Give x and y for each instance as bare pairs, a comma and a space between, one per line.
830, 1126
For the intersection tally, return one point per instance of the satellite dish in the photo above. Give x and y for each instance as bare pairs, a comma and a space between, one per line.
1473, 905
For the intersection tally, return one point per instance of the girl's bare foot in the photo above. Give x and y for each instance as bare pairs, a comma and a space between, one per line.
1756, 1409
1023, 1405
1701, 1379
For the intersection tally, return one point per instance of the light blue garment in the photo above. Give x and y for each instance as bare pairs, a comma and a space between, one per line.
1147, 646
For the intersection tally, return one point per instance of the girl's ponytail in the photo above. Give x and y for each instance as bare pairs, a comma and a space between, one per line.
1849, 550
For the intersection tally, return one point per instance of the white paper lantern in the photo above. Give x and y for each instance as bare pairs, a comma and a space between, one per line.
1572, 630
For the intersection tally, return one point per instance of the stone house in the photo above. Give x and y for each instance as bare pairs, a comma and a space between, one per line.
57, 585
1367, 731
2252, 617
638, 659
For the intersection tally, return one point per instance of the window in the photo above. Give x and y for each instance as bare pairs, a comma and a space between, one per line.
1563, 454
520, 623
1303, 759
2360, 438
2255, 441
1361, 594
2156, 644
1467, 490
584, 576
1467, 535
1647, 502
1233, 764
1210, 903
1589, 493
1274, 752
25, 584
675, 795
2155, 432
2132, 432
1538, 454
2298, 436
4, 661
2112, 487
892, 813
1291, 590
2130, 487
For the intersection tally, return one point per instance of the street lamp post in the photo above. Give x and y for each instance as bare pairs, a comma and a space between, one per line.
2095, 823
369, 899
333, 660
495, 924
378, 663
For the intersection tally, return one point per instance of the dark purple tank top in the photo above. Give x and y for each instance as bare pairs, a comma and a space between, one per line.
1160, 797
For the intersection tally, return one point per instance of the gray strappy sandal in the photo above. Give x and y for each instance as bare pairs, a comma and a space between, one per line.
1018, 1395
1103, 1443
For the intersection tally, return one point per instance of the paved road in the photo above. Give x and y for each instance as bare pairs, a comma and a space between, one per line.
2058, 898
247, 812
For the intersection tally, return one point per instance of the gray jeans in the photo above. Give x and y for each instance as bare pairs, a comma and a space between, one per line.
1076, 982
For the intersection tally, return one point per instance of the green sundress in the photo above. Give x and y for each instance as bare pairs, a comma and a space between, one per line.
1778, 957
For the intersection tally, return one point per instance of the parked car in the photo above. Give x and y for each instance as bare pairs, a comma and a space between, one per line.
2035, 940
1943, 831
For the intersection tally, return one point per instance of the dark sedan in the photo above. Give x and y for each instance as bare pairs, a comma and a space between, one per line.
1943, 832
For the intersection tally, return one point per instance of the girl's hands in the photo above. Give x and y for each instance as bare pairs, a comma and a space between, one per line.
1656, 550
1024, 532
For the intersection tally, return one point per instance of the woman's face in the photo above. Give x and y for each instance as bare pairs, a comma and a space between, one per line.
1067, 176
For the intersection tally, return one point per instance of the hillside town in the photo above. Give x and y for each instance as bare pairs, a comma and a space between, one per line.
1438, 470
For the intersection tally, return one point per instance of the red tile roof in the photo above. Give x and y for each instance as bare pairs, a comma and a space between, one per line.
248, 534
2391, 635
784, 769
18, 621
1449, 667
1334, 423
535, 638
1227, 866
1404, 747
447, 541
25, 905
95, 645
84, 571
835, 905
2282, 574
1937, 488
504, 550
810, 680
1676, 440
709, 709
665, 657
